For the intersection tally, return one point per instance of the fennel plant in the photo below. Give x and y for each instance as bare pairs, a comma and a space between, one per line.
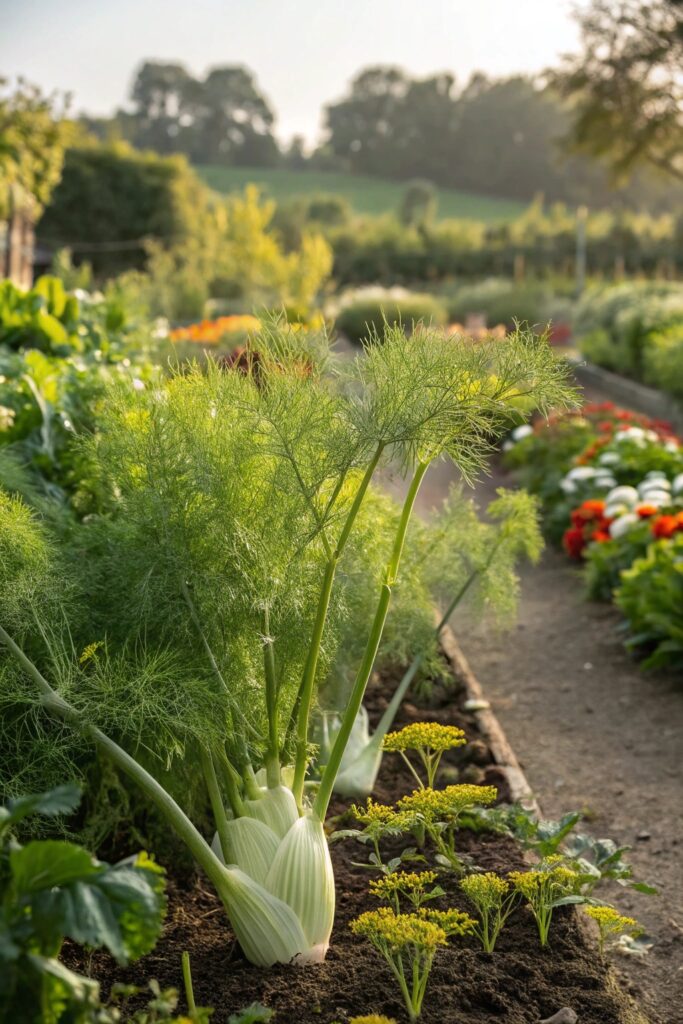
208, 587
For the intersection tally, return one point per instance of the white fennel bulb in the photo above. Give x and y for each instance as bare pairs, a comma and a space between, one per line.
276, 808
252, 846
301, 876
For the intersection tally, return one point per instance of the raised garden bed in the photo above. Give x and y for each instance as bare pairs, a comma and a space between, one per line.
518, 983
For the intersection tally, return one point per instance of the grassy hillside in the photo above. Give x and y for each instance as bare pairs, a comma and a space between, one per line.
366, 195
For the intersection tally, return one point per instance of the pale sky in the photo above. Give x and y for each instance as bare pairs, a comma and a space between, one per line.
303, 51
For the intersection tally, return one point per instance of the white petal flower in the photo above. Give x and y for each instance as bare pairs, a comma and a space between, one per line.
623, 524
581, 473
520, 432
626, 495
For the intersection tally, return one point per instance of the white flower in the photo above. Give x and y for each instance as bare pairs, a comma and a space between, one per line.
605, 480
671, 445
677, 485
507, 446
653, 485
655, 474
623, 524
615, 510
656, 498
567, 486
625, 495
581, 473
520, 432
138, 384
609, 459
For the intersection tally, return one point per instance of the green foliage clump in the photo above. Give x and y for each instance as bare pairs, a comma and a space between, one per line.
53, 890
636, 329
57, 355
115, 194
364, 317
502, 301
651, 598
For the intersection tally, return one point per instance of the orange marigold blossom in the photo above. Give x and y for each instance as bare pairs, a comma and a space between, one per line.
664, 527
645, 511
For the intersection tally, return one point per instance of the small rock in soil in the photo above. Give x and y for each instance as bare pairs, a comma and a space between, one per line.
564, 1016
643, 836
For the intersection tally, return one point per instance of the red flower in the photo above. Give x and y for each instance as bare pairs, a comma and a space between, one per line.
600, 536
666, 526
574, 541
645, 511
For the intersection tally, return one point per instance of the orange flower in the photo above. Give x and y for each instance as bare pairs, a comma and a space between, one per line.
645, 511
665, 526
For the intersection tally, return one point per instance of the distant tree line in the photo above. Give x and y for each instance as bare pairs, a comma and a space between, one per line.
497, 136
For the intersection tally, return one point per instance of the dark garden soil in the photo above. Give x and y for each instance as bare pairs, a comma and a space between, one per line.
518, 983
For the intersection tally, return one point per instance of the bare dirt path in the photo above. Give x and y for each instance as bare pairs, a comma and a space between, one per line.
593, 733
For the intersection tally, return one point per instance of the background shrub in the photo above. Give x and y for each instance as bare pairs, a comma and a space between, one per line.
362, 316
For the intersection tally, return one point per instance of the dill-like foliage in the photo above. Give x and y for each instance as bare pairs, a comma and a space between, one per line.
236, 550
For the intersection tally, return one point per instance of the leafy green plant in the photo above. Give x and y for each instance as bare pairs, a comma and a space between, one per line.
210, 665
494, 901
599, 860
651, 599
52, 890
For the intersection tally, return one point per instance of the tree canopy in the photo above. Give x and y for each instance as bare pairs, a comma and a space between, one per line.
626, 86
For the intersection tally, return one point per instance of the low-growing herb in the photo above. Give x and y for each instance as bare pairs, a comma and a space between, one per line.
494, 900
429, 740
380, 822
548, 886
611, 923
438, 811
408, 944
416, 888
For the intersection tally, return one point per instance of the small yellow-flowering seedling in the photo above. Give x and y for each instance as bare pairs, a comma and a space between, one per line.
408, 943
611, 923
548, 886
429, 740
413, 886
494, 899
380, 821
438, 812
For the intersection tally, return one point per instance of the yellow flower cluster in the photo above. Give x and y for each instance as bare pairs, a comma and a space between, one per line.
425, 736
610, 920
372, 1018
486, 890
533, 883
453, 922
446, 804
373, 813
401, 882
608, 917
398, 931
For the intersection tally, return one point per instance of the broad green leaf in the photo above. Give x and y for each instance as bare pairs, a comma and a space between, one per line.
61, 800
44, 864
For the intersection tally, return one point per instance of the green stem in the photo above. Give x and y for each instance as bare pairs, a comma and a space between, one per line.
305, 696
332, 768
187, 980
219, 815
273, 754
53, 702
